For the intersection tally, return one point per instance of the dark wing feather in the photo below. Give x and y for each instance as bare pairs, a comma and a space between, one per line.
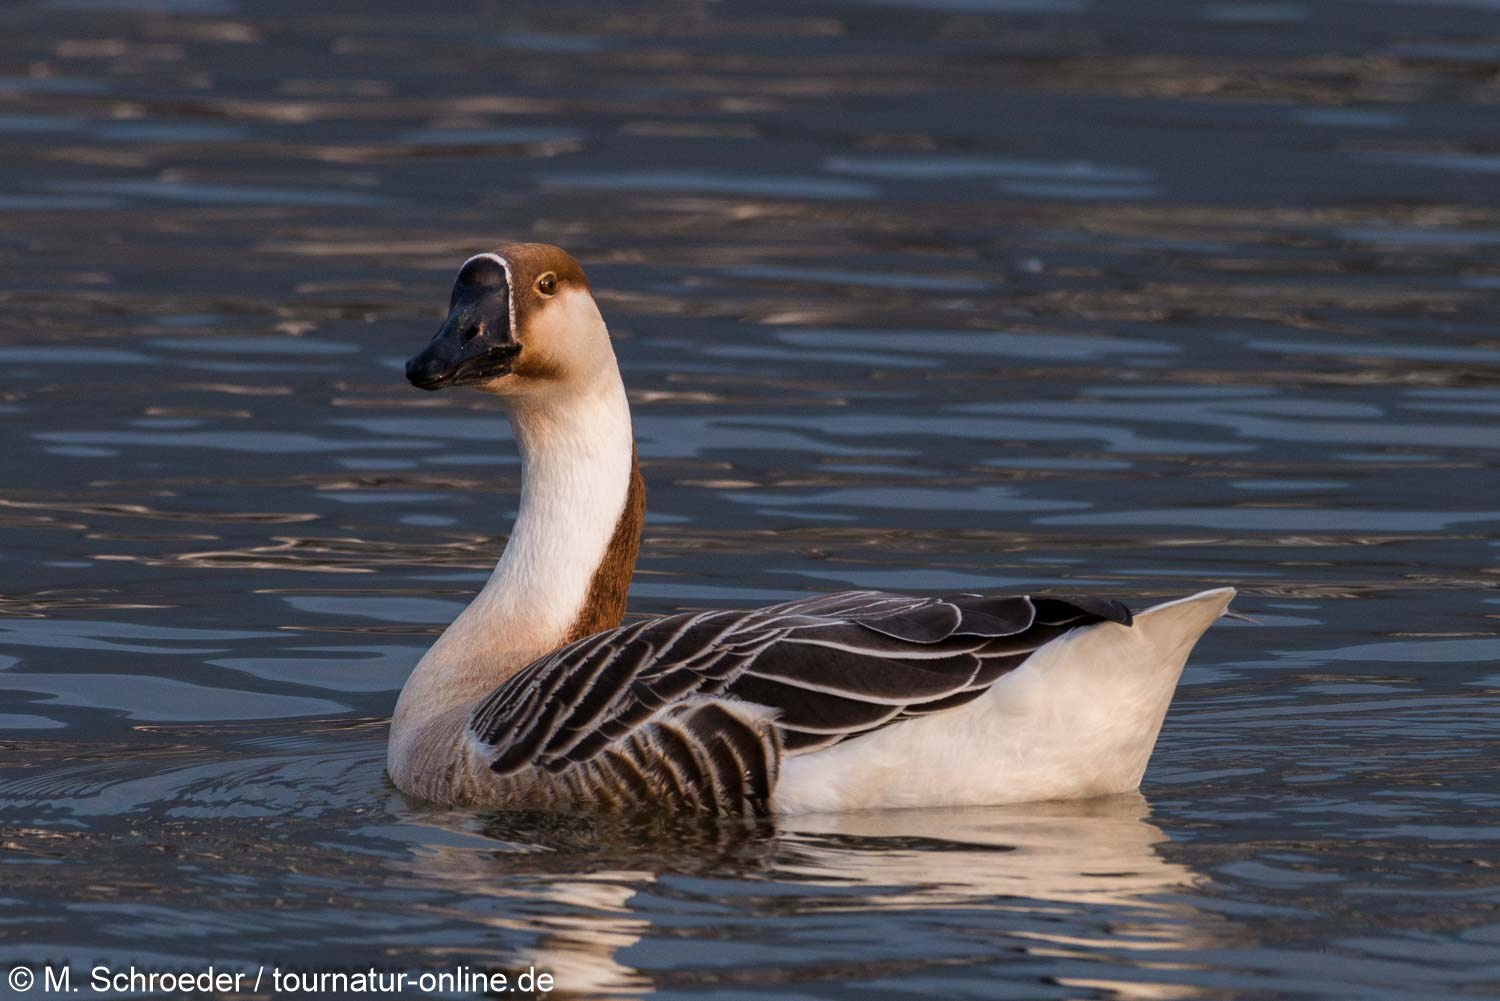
698, 708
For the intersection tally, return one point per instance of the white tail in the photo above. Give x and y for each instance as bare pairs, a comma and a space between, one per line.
1101, 693
1172, 628
1079, 718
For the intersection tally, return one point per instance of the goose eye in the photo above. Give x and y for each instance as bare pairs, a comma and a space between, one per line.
547, 284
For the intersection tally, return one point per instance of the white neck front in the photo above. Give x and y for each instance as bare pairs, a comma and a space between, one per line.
577, 455
575, 473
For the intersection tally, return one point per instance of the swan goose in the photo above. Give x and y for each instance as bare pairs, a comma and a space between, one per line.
537, 697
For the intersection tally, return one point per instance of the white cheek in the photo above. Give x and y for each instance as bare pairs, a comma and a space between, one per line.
570, 332
564, 334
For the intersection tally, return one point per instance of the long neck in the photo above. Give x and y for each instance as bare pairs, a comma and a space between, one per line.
566, 568
567, 565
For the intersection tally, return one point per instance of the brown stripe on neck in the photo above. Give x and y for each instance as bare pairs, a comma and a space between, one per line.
604, 605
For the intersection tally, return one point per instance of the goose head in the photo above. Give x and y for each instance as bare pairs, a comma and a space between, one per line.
521, 321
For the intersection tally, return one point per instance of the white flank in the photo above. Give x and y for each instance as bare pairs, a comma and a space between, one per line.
1079, 718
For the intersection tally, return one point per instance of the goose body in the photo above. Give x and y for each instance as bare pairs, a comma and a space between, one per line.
537, 697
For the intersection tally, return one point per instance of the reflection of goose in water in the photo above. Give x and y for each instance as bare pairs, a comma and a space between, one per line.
1077, 881
843, 701
571, 885
597, 896
1098, 851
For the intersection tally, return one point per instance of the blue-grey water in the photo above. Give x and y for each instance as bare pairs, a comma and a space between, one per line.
1041, 295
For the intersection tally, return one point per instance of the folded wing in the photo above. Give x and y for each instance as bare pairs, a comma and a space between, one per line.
698, 709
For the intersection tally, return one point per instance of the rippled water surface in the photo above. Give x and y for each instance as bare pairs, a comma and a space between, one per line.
1047, 295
